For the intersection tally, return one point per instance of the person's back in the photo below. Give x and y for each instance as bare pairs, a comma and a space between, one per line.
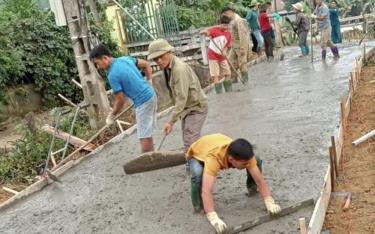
302, 22
252, 19
323, 11
125, 76
264, 21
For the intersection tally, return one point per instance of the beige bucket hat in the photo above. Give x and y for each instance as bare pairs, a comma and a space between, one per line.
158, 47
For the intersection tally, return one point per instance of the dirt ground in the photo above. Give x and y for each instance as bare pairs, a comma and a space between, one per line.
288, 114
358, 165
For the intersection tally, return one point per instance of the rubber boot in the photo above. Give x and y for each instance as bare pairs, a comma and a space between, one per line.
335, 52
303, 51
250, 183
196, 198
219, 88
245, 77
324, 54
228, 86
307, 50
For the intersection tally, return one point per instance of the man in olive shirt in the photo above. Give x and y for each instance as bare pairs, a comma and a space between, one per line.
185, 90
240, 53
216, 152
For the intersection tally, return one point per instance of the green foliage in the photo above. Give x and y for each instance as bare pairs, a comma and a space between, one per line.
207, 12
32, 149
34, 50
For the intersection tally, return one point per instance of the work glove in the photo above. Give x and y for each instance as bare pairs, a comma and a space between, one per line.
271, 206
110, 119
287, 19
313, 16
216, 222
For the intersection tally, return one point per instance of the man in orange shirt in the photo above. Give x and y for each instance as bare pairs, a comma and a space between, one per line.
213, 153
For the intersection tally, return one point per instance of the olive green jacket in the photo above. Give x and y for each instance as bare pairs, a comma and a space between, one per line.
185, 89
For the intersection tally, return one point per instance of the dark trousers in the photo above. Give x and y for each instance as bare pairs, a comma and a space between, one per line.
267, 35
255, 43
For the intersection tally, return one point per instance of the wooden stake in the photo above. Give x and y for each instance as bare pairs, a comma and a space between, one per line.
119, 125
347, 202
77, 83
125, 123
333, 181
67, 100
10, 190
364, 52
334, 152
342, 108
302, 225
53, 160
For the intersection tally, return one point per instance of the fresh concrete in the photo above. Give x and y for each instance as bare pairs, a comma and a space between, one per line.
289, 111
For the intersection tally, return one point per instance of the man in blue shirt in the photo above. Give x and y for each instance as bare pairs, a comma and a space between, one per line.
321, 13
126, 79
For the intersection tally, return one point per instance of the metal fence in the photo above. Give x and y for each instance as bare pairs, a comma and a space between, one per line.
159, 19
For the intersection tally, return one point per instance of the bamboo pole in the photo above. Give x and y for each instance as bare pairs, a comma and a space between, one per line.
67, 100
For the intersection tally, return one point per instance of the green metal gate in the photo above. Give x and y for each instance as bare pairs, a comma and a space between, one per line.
159, 19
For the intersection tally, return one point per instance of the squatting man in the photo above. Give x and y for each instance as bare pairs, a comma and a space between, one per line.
213, 153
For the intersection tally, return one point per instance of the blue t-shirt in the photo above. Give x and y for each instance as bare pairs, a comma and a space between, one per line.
323, 11
124, 76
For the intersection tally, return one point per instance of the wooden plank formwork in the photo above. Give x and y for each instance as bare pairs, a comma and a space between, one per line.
321, 205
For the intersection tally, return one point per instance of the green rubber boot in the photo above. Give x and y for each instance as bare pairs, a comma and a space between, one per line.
228, 86
245, 77
196, 198
219, 88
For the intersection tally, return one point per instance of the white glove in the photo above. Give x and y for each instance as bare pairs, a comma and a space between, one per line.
313, 16
216, 222
110, 119
271, 206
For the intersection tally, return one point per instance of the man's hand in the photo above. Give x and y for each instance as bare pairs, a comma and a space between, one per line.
168, 128
271, 206
110, 119
216, 222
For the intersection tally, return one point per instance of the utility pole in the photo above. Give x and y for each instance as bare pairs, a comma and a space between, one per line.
92, 85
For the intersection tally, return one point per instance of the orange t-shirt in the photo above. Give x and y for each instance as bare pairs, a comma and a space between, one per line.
212, 150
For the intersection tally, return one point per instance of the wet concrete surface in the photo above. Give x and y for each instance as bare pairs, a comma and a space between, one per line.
289, 111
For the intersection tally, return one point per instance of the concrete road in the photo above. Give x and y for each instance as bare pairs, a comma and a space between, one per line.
289, 111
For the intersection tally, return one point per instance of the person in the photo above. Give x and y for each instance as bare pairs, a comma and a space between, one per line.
334, 14
277, 21
190, 101
213, 153
217, 51
252, 18
240, 53
126, 79
266, 29
303, 25
321, 13
269, 13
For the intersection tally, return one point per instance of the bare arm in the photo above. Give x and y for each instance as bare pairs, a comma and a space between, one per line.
119, 103
207, 188
260, 181
146, 67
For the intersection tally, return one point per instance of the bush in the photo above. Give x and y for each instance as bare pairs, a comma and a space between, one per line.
34, 50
